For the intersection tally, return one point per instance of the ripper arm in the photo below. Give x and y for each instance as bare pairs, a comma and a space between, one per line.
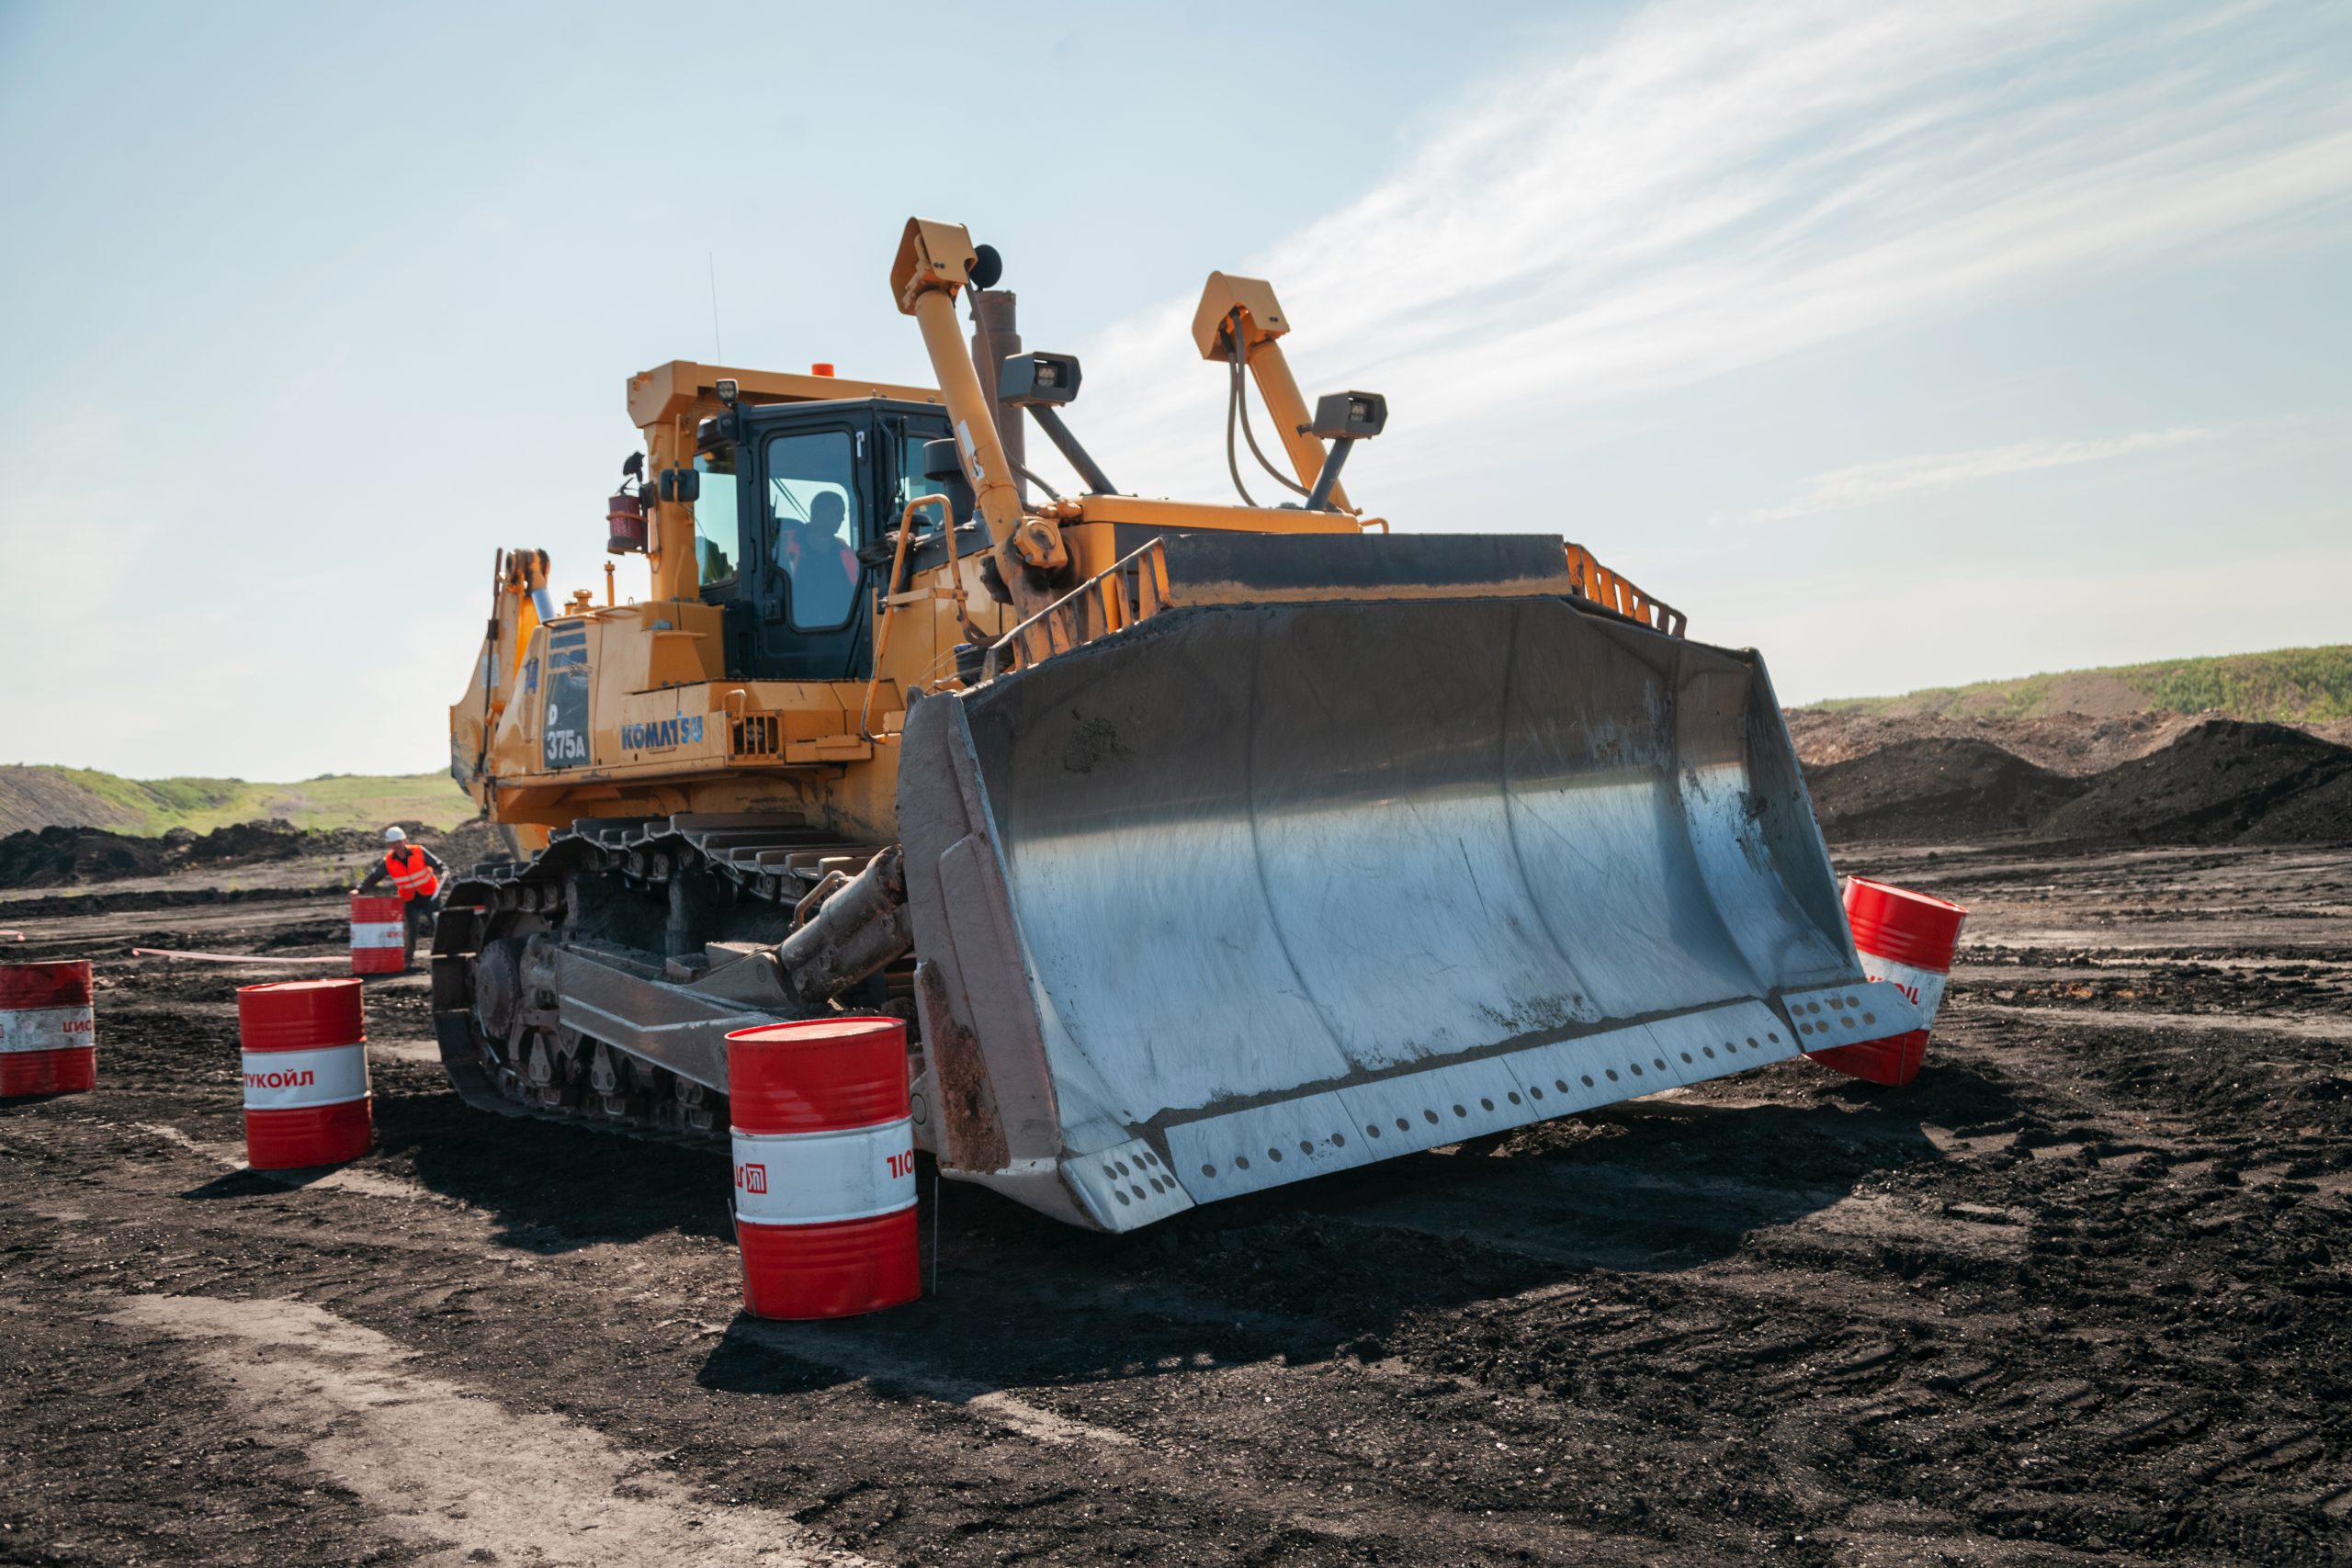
1243, 310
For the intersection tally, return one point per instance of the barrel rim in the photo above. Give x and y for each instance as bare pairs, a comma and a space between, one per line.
1906, 895
317, 1013
46, 983
1897, 925
68, 964
833, 1072
314, 984
814, 1031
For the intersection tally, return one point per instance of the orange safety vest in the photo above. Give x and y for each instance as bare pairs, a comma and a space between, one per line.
410, 872
793, 553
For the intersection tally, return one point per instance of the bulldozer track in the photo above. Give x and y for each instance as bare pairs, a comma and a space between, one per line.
698, 877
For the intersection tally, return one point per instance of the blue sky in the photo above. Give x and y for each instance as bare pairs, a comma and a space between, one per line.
1911, 344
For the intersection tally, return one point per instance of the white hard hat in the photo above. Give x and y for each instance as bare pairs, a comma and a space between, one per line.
394, 835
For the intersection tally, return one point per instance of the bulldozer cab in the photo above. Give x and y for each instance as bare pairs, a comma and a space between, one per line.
795, 500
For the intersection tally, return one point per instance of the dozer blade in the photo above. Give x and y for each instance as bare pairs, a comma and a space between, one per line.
1251, 893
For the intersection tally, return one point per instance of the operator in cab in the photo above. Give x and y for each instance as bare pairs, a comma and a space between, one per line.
819, 561
415, 874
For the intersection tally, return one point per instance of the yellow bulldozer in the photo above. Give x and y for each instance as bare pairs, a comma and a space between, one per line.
1204, 848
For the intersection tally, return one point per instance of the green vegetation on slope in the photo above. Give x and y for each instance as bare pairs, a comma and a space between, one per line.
37, 796
2293, 685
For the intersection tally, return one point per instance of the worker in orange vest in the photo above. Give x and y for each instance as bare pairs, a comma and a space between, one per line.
822, 567
415, 873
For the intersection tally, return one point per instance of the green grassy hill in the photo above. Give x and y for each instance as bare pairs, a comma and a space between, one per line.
38, 797
2293, 685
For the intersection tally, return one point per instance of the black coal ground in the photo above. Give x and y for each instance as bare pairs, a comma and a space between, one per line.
2078, 1295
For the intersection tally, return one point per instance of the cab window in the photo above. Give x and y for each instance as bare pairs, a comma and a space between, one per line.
715, 552
811, 504
910, 482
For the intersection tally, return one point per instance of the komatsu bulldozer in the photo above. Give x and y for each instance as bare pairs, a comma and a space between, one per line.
1204, 848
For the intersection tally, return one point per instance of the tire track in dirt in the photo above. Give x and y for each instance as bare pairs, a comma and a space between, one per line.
2077, 1295
2338, 1030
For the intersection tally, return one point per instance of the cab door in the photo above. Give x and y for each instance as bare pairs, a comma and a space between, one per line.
803, 523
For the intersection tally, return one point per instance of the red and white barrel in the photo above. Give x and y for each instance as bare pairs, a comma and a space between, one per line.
378, 934
49, 1042
824, 1166
1908, 939
306, 1074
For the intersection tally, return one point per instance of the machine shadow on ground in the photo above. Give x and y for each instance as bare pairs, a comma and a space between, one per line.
1331, 1267
551, 1188
257, 1183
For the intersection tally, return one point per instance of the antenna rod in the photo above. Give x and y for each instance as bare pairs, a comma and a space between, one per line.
719, 355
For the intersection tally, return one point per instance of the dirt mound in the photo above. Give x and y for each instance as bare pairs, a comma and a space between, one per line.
465, 846
2319, 815
1935, 789
2221, 782
246, 844
59, 857
50, 857
2076, 744
461, 849
62, 857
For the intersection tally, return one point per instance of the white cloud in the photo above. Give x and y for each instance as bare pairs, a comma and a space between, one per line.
1715, 188
1867, 484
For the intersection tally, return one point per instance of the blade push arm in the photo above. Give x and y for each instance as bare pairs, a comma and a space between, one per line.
934, 262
